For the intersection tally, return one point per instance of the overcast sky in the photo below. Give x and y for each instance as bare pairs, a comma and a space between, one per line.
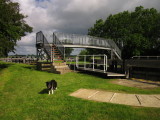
70, 16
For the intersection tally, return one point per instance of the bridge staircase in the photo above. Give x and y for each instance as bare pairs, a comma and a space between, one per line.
57, 56
49, 56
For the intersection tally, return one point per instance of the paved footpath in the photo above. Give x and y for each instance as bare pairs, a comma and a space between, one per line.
118, 98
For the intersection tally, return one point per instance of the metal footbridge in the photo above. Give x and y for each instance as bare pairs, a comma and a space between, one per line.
51, 46
86, 41
63, 40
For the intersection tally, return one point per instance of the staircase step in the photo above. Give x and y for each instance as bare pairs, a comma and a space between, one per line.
59, 61
54, 48
46, 65
61, 69
44, 69
56, 54
59, 64
55, 51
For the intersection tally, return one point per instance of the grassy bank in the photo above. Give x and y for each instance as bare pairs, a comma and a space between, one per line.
23, 96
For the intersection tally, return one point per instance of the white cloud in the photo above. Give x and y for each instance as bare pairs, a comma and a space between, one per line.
72, 16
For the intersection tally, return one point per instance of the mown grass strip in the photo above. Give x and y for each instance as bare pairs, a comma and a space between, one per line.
23, 96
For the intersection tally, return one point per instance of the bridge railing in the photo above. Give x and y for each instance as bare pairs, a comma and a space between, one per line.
75, 39
41, 39
96, 63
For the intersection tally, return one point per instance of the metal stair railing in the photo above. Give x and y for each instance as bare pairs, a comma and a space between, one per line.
75, 39
59, 45
41, 39
115, 48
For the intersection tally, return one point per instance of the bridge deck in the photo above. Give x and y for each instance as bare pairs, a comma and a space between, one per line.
109, 74
86, 46
85, 41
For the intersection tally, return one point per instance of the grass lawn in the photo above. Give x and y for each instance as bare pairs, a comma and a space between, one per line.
23, 97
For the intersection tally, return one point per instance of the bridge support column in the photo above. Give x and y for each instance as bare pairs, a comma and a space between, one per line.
111, 54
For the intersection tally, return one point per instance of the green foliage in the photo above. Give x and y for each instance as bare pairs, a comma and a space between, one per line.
97, 30
136, 33
68, 51
83, 52
12, 26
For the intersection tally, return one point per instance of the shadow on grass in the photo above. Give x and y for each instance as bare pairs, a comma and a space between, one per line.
44, 91
4, 65
91, 73
31, 67
100, 75
34, 67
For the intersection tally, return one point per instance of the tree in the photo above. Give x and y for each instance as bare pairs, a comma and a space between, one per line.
68, 51
12, 26
97, 30
83, 52
136, 33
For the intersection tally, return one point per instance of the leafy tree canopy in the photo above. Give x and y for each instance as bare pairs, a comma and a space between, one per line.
83, 52
68, 51
136, 33
12, 26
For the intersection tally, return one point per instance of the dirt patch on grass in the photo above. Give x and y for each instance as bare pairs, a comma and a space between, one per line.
137, 84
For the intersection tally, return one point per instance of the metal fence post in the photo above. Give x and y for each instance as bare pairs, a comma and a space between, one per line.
111, 53
104, 63
77, 61
84, 61
93, 62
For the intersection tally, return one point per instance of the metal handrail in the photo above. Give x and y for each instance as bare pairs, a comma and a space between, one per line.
40, 38
59, 45
93, 62
47, 47
75, 39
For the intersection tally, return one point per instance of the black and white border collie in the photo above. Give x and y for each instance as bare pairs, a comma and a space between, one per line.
51, 86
